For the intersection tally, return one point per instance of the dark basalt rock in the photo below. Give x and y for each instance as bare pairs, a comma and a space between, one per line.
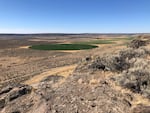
2, 103
16, 112
11, 93
6, 90
18, 92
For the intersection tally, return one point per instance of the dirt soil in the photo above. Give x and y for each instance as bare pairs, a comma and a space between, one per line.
33, 81
64, 71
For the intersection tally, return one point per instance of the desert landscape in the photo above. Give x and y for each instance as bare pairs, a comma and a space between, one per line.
111, 77
74, 56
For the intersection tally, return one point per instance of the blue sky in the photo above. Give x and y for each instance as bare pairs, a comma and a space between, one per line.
74, 16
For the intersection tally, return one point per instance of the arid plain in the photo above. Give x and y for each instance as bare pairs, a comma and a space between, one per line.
74, 81
19, 63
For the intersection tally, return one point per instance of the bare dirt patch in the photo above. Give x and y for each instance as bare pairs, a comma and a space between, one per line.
24, 47
63, 71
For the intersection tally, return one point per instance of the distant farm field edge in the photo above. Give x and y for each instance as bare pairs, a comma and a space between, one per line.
63, 47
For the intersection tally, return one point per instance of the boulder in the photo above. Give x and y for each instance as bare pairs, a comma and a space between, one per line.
19, 91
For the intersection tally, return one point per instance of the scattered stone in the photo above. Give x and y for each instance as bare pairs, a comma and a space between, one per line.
12, 93
2, 102
88, 59
87, 92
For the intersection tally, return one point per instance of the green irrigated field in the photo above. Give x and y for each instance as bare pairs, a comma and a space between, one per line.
63, 47
96, 42
102, 41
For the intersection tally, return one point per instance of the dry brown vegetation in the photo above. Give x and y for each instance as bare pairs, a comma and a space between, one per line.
110, 79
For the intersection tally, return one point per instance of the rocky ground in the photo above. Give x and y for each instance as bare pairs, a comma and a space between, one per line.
115, 81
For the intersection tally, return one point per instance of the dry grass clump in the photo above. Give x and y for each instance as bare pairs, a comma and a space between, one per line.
117, 62
109, 63
137, 77
137, 43
131, 64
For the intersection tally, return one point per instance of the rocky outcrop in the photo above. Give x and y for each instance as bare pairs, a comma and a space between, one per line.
117, 62
137, 77
80, 95
130, 64
136, 43
10, 93
90, 91
6, 90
